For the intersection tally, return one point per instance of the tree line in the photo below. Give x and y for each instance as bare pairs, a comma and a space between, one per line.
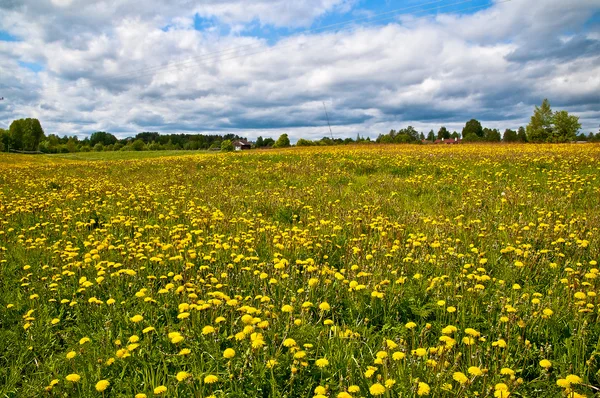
544, 126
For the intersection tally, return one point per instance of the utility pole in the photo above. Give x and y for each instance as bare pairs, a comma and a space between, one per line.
326, 114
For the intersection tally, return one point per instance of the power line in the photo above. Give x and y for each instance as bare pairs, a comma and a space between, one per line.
216, 55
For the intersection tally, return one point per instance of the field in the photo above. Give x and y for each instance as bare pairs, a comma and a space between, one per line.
393, 271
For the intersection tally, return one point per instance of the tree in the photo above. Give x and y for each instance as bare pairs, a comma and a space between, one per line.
99, 147
259, 142
443, 133
138, 145
104, 138
5, 140
510, 136
16, 132
539, 128
565, 127
521, 134
303, 142
268, 142
282, 142
227, 146
491, 135
472, 127
431, 136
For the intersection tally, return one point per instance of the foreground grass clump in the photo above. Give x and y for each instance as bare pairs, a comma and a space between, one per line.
337, 272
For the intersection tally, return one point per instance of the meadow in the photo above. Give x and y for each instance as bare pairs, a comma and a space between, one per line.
359, 271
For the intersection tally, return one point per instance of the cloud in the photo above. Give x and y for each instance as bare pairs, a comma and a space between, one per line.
114, 66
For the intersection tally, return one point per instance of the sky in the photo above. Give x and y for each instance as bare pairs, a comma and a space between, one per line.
267, 67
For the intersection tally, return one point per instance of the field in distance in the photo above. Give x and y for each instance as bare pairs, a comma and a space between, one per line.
393, 271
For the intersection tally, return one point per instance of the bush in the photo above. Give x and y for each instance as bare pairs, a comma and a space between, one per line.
227, 146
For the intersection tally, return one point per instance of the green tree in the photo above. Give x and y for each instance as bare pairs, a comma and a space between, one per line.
282, 142
226, 146
521, 134
102, 137
443, 133
510, 136
5, 140
472, 127
431, 136
138, 145
539, 128
491, 135
303, 142
17, 131
565, 127
259, 142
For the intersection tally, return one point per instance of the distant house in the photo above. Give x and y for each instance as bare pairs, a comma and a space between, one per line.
449, 141
241, 145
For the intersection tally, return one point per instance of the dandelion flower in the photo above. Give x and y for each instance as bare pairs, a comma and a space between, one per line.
210, 379
377, 389
546, 364
136, 318
460, 377
73, 377
423, 389
229, 353
321, 363
208, 330
71, 354
102, 385
160, 390
181, 376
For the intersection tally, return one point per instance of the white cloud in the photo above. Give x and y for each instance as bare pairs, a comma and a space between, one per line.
117, 70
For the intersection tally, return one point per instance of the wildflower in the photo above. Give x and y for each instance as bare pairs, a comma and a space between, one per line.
320, 390
184, 351
423, 389
210, 379
377, 389
228, 353
102, 385
398, 356
353, 389
208, 330
420, 352
71, 354
573, 379
391, 344
136, 318
73, 377
389, 383
181, 376
460, 377
410, 325
324, 306
148, 329
343, 394
474, 371
142, 395
321, 363
546, 364
507, 371
289, 342
84, 340
160, 390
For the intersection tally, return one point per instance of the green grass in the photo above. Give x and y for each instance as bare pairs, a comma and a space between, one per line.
387, 236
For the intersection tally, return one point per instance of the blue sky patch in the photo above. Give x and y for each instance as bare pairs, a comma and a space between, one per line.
33, 66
